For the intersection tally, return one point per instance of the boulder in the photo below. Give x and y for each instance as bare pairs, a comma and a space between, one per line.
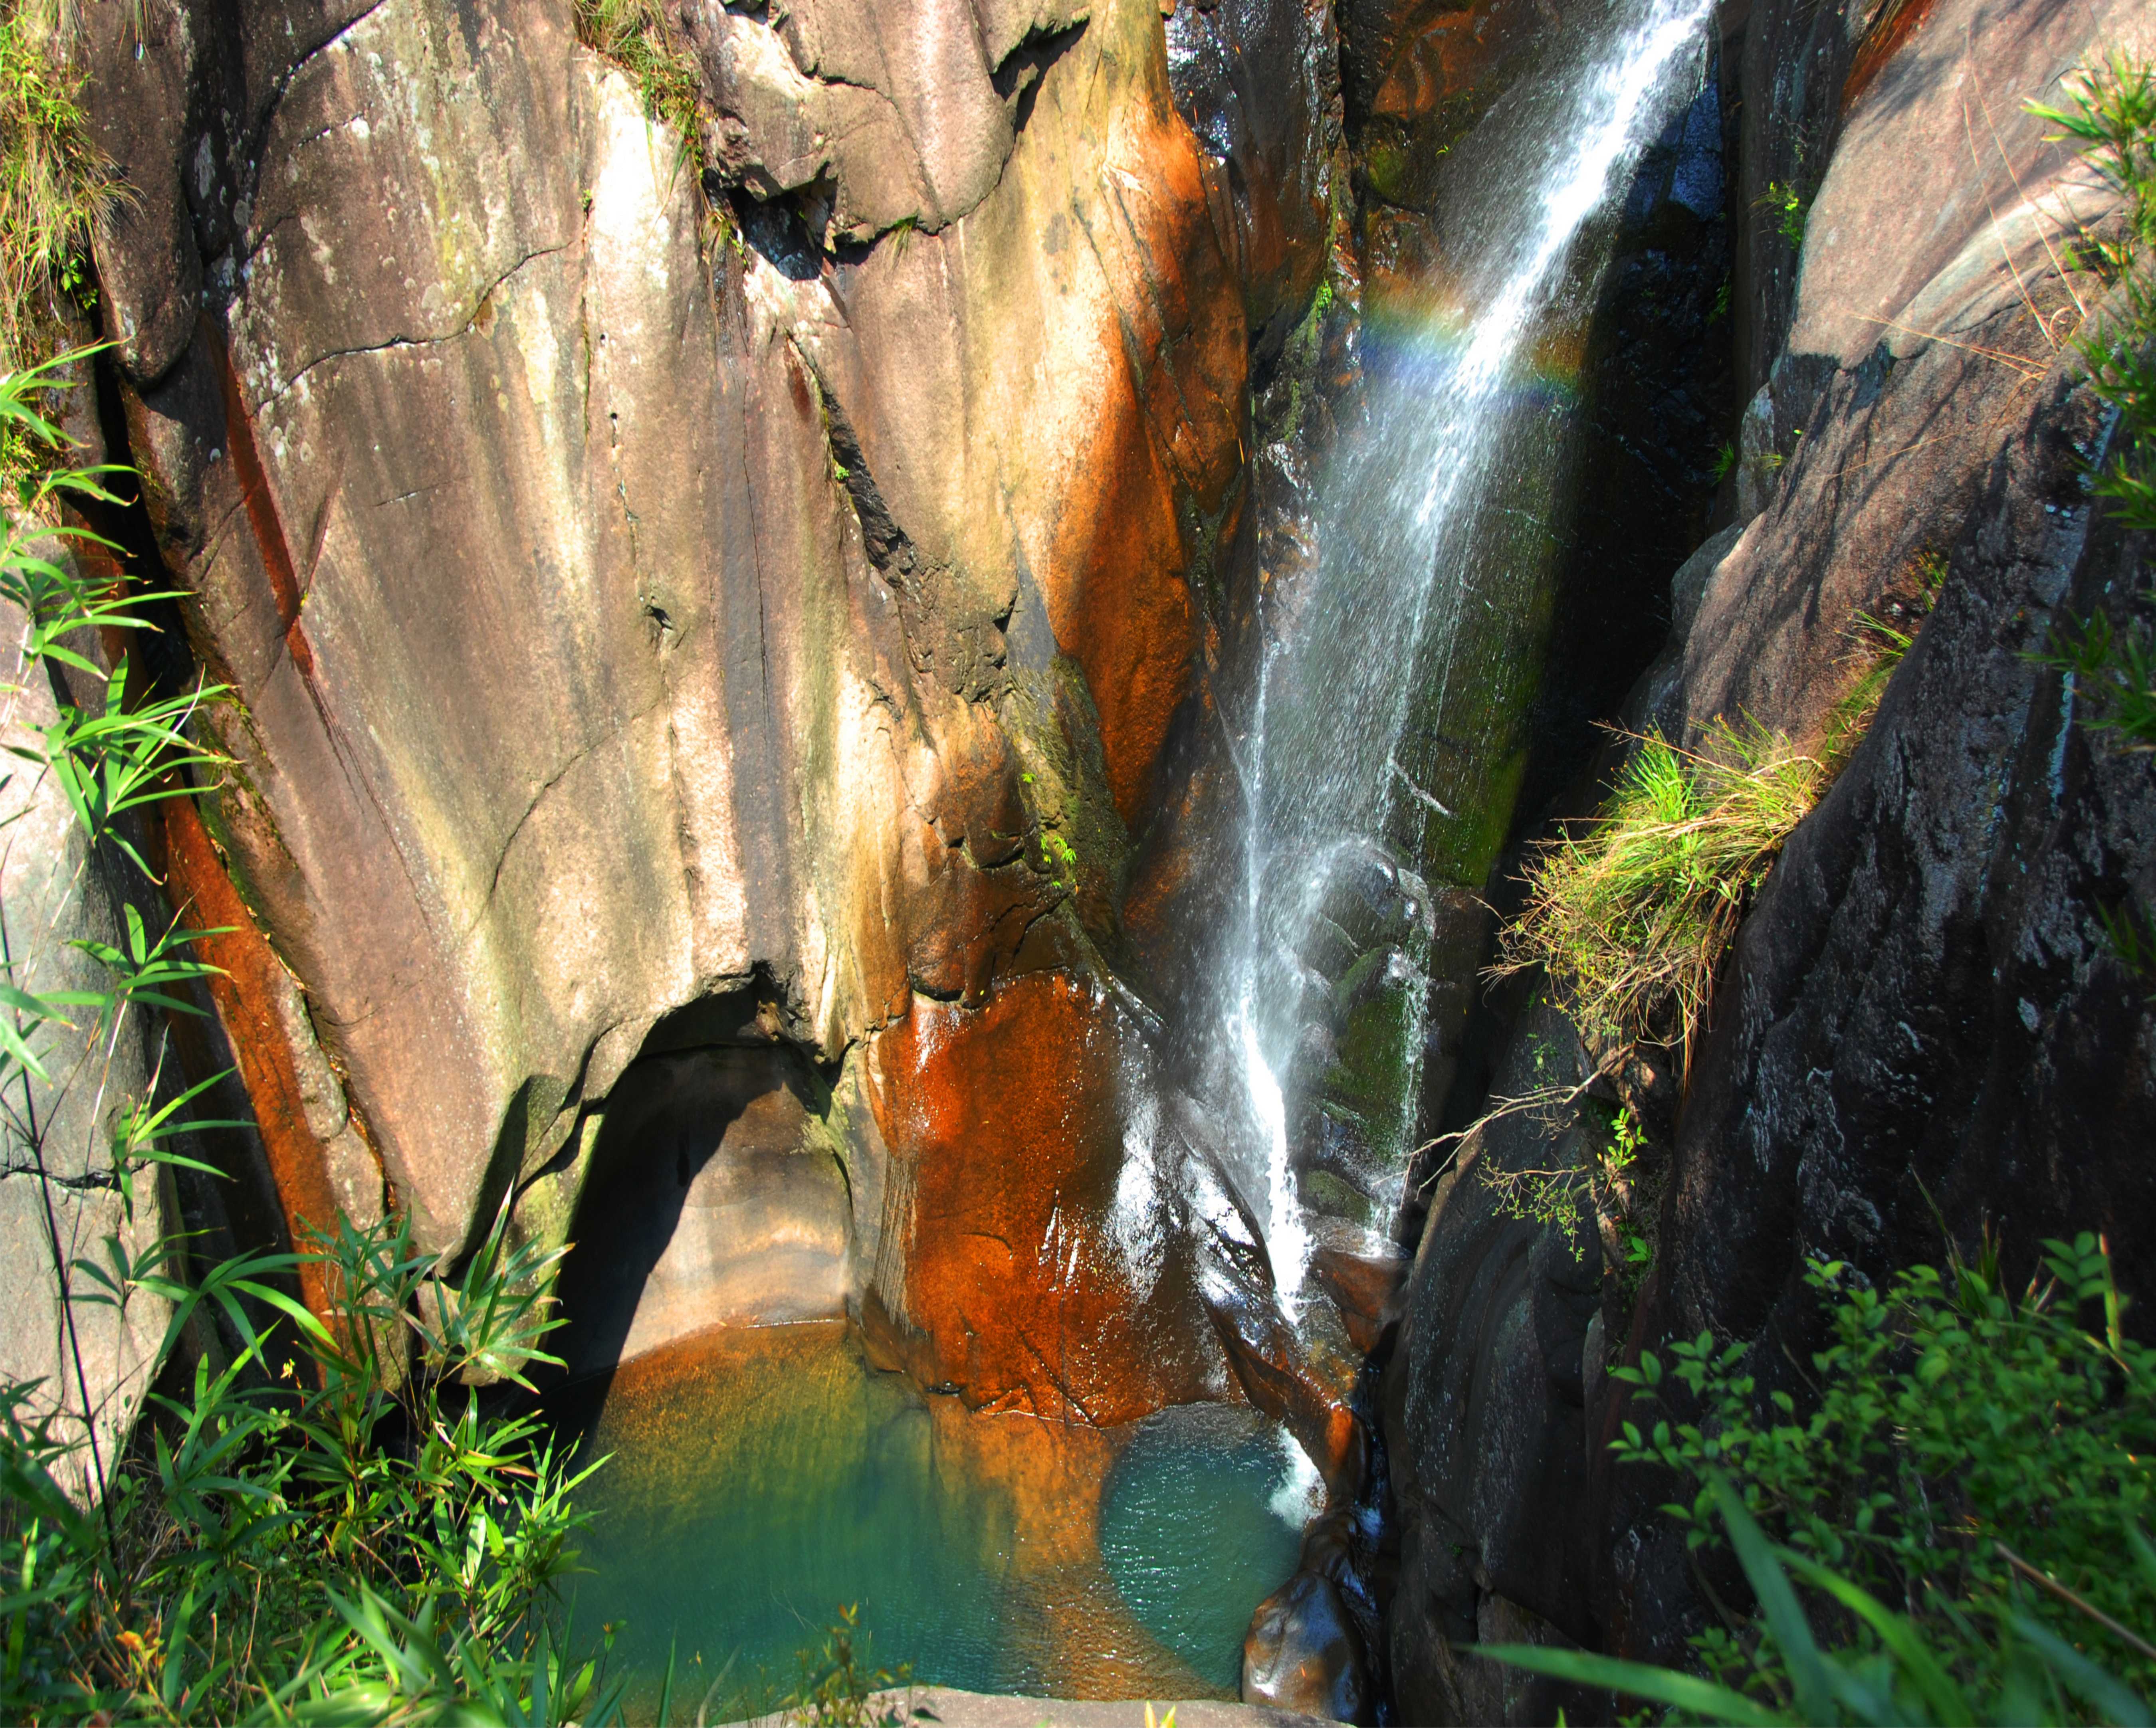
1302, 1654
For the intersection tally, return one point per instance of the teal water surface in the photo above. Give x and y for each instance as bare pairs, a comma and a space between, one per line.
759, 1480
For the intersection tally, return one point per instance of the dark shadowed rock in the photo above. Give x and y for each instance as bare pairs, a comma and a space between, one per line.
140, 64
1259, 81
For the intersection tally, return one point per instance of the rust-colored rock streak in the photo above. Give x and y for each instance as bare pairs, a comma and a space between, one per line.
244, 988
1017, 1293
1173, 343
1900, 21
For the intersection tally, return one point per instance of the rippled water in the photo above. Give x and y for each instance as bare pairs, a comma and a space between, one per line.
761, 1478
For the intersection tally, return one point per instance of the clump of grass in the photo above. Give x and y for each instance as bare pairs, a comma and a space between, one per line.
1882, 640
2115, 674
635, 35
2114, 115
1630, 916
56, 186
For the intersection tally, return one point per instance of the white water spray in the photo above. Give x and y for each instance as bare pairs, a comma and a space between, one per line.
1400, 514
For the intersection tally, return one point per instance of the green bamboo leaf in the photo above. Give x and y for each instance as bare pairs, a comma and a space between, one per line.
1785, 1616
1638, 1679
26, 1058
1949, 1708
2118, 1702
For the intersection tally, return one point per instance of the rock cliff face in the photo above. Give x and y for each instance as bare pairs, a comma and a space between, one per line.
703, 653
1921, 1007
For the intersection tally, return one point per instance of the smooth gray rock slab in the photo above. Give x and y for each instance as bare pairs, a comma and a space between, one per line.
997, 1710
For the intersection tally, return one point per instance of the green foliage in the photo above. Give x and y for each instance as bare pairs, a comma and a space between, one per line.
354, 1539
62, 1034
1890, 1673
2113, 113
1059, 857
838, 1687
1601, 1181
636, 36
320, 1522
2114, 672
1789, 207
1881, 643
2112, 667
2131, 937
1977, 1468
1630, 916
1725, 460
55, 186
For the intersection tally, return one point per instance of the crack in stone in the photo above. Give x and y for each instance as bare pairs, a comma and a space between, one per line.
538, 798
462, 327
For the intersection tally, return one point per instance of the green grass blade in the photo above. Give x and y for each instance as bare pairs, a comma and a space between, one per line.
1948, 1707
2113, 1698
1785, 1615
1638, 1679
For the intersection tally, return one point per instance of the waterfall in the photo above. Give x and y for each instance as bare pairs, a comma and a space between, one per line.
1411, 530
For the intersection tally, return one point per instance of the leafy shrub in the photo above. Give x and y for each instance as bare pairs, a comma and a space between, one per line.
353, 1531
1897, 1679
1965, 1506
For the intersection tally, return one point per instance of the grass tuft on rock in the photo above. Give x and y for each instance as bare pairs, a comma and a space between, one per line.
1629, 916
56, 186
635, 35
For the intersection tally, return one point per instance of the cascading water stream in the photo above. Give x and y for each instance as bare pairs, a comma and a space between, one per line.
1404, 541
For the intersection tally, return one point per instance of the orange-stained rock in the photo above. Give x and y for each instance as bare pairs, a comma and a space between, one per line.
1116, 577
247, 986
1019, 1290
1364, 1287
1083, 397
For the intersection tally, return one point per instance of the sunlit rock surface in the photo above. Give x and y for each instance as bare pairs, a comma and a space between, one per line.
632, 603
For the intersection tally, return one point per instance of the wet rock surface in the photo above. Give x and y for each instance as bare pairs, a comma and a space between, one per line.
738, 684
621, 619
1302, 1654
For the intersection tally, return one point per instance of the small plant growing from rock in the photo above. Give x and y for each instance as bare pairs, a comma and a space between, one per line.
1630, 916
839, 1690
636, 36
1789, 207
